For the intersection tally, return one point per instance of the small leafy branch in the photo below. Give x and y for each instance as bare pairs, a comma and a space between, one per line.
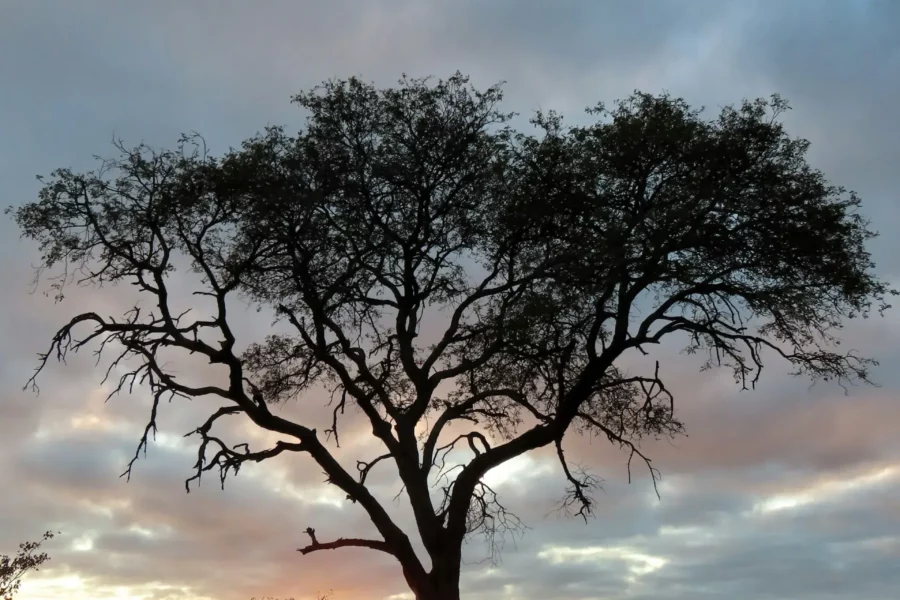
12, 569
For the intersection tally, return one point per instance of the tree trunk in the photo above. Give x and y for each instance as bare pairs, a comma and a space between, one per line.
442, 583
436, 590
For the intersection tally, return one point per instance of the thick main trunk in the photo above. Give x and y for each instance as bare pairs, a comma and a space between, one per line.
438, 590
442, 583
446, 594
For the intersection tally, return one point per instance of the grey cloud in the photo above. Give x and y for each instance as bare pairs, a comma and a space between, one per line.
192, 536
78, 73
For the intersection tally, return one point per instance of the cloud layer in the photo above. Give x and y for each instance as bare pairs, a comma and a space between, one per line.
785, 492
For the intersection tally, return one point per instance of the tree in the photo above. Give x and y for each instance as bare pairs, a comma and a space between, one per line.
13, 569
542, 258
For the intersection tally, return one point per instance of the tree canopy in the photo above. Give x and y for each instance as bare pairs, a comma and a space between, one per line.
436, 268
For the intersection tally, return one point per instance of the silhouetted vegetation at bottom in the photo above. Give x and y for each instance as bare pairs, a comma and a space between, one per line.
470, 289
318, 597
14, 568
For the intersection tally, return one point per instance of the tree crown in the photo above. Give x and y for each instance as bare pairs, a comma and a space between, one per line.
436, 268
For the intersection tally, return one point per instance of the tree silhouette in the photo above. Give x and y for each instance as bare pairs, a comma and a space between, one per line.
440, 271
27, 559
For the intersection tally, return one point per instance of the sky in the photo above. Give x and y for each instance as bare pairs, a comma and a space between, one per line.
788, 492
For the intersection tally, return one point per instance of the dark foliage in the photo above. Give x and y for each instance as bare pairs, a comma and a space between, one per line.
27, 559
419, 206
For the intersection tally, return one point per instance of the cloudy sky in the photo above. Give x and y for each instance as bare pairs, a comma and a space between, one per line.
787, 492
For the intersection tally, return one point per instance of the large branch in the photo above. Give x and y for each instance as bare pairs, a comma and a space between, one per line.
133, 337
459, 410
403, 447
315, 545
538, 436
380, 427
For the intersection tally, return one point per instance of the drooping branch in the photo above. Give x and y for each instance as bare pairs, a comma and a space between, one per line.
489, 518
632, 447
582, 484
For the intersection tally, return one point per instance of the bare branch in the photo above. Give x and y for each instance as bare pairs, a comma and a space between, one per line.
578, 493
316, 545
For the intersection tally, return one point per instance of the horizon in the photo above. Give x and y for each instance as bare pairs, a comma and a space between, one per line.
785, 491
